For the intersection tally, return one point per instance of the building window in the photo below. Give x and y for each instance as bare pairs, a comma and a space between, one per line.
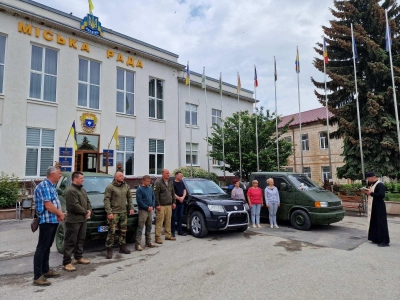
89, 84
289, 169
216, 117
217, 162
125, 92
326, 174
191, 114
323, 140
156, 157
307, 171
288, 139
43, 81
305, 142
39, 152
2, 61
125, 154
195, 154
156, 98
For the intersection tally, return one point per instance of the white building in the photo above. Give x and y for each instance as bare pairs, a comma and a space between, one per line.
54, 70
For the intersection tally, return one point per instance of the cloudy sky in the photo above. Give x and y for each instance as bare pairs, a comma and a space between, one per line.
227, 36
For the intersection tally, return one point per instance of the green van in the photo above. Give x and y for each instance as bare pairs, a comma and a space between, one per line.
303, 202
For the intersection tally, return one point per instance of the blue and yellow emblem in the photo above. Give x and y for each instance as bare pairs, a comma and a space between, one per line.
88, 122
92, 25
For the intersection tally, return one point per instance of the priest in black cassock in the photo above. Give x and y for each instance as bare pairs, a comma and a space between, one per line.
378, 227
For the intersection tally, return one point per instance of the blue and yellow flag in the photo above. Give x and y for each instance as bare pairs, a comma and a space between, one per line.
91, 7
297, 62
187, 74
72, 132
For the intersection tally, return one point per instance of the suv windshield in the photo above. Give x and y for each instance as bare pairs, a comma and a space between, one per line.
96, 185
302, 182
203, 187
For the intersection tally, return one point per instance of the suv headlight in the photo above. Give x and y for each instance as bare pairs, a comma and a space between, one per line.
216, 208
319, 204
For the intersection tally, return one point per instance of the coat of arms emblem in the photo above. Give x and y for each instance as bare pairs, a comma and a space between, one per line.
92, 25
88, 122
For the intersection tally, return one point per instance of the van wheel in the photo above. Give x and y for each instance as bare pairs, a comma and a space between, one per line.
300, 220
131, 237
198, 226
60, 237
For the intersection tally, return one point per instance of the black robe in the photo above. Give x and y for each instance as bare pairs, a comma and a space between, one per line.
378, 226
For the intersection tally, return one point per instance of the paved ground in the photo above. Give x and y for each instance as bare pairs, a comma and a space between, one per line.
329, 262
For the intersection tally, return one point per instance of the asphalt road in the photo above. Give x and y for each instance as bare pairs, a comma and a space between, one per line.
328, 262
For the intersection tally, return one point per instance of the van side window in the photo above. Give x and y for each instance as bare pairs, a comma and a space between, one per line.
278, 181
262, 183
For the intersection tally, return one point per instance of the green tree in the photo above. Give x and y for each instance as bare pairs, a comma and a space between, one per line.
197, 173
266, 142
378, 124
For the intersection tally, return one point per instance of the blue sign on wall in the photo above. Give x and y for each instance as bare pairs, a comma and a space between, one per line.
110, 157
66, 169
65, 161
65, 151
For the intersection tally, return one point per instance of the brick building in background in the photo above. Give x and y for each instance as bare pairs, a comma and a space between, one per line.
314, 144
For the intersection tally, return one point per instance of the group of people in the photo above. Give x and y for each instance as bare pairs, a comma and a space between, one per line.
165, 198
255, 200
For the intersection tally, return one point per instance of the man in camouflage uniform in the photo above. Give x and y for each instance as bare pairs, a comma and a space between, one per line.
117, 194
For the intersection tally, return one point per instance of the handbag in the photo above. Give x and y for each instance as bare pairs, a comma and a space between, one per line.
35, 222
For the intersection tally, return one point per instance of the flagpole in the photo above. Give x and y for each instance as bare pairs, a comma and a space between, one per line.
205, 95
357, 102
298, 96
191, 129
327, 121
276, 119
69, 133
222, 123
393, 83
240, 120
179, 129
255, 104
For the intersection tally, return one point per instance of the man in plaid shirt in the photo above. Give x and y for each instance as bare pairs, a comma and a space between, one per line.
48, 209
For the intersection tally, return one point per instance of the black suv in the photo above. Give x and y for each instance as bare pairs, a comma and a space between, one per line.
208, 207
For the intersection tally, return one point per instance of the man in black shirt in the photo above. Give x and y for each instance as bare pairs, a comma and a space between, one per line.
177, 213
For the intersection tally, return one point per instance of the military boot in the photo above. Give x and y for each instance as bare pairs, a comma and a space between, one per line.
124, 250
109, 254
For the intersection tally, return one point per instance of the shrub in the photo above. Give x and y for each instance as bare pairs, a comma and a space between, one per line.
197, 173
8, 190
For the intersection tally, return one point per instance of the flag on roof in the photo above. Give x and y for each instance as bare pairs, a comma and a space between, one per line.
255, 77
326, 58
187, 74
297, 62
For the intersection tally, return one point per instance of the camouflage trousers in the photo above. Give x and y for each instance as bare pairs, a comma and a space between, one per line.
120, 221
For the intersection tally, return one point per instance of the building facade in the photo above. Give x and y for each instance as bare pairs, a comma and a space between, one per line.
56, 69
313, 145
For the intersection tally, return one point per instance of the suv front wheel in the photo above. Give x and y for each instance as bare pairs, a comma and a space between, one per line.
198, 226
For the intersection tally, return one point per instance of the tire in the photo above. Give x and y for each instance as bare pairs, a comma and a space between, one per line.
60, 237
242, 229
198, 227
300, 220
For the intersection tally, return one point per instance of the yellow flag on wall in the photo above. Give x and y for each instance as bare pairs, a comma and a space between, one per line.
115, 136
91, 7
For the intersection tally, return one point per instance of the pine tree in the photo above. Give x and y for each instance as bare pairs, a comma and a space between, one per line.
378, 124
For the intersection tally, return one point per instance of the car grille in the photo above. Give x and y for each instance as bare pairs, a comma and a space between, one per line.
232, 207
332, 204
238, 218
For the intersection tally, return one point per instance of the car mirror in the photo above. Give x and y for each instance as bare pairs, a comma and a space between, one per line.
283, 186
59, 191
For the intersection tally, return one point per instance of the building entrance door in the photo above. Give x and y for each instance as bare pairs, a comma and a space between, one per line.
91, 161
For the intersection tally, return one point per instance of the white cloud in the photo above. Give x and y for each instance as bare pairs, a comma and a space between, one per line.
227, 36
